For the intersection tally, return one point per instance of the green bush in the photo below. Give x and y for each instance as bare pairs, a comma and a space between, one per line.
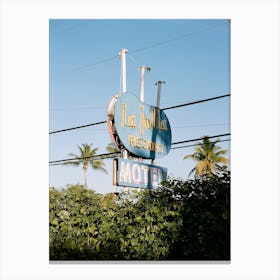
182, 220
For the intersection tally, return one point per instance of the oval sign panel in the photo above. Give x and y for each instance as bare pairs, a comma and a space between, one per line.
144, 130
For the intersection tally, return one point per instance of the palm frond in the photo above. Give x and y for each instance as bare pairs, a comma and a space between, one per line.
192, 171
112, 148
74, 163
188, 156
98, 165
207, 155
73, 155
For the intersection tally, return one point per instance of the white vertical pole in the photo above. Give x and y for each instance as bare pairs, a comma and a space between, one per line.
142, 71
159, 92
158, 101
122, 55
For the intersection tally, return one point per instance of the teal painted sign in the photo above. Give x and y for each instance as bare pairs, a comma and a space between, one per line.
128, 173
144, 130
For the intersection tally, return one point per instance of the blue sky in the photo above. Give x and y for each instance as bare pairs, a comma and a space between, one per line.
191, 56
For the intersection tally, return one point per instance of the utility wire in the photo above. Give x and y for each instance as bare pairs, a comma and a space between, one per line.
103, 156
173, 127
195, 102
89, 65
167, 108
201, 138
66, 29
197, 144
76, 127
200, 125
77, 108
144, 48
176, 38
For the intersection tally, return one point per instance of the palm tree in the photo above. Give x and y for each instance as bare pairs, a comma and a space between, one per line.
112, 148
86, 158
209, 158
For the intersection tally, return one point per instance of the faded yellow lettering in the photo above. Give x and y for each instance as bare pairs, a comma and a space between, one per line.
123, 115
163, 125
131, 121
153, 118
141, 120
144, 144
147, 123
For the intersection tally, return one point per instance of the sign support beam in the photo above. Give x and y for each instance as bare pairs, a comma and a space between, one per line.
122, 55
158, 100
159, 91
142, 71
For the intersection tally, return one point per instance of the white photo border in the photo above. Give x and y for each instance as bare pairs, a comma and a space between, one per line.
254, 137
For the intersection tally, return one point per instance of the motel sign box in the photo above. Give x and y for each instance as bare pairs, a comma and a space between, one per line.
136, 174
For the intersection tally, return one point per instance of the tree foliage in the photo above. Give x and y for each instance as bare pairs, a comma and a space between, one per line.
112, 148
209, 158
181, 220
86, 159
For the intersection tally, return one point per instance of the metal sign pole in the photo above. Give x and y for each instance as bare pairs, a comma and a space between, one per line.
142, 94
158, 101
159, 91
122, 55
142, 71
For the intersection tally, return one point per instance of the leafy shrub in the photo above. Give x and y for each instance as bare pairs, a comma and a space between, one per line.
181, 220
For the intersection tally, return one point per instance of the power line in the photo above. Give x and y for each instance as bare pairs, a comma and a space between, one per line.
144, 48
201, 138
101, 107
176, 38
173, 127
76, 127
167, 108
66, 29
197, 144
77, 108
196, 102
103, 156
200, 125
78, 68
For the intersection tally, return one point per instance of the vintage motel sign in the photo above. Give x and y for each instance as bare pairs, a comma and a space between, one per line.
128, 173
139, 130
143, 129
